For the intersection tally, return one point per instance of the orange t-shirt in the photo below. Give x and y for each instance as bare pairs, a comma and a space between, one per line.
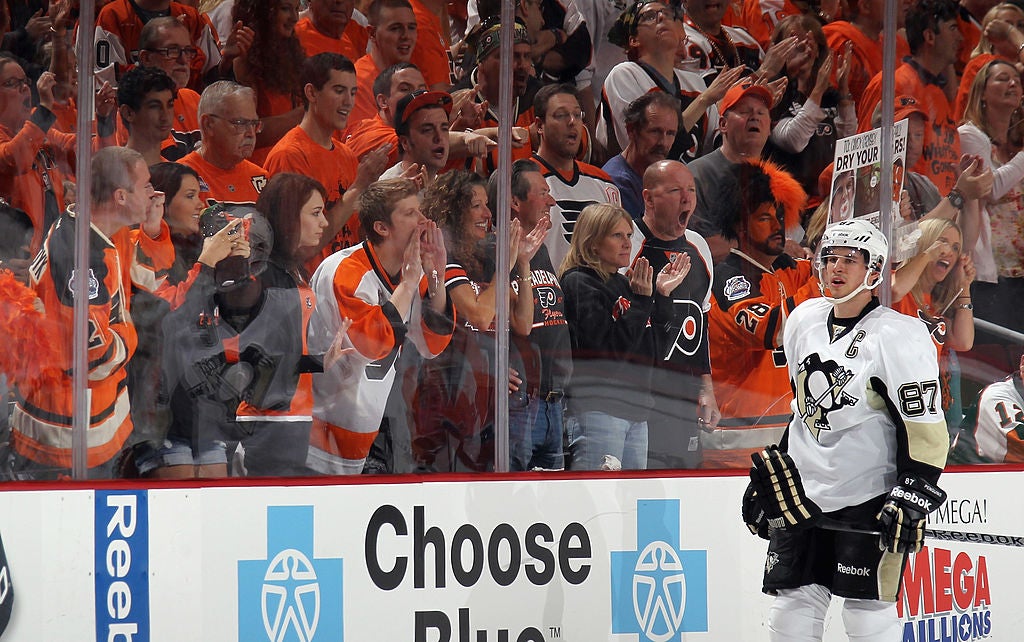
370, 134
352, 43
241, 184
941, 158
334, 168
760, 18
365, 105
431, 53
866, 60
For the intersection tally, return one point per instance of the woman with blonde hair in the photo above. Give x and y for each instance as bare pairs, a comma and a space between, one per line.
614, 345
1002, 35
935, 287
992, 130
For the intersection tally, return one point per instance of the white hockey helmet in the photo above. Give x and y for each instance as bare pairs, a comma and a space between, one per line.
860, 235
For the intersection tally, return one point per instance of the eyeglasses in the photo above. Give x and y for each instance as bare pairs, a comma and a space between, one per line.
16, 83
563, 116
240, 125
172, 53
651, 15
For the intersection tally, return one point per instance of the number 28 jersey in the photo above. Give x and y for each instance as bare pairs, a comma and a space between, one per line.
866, 402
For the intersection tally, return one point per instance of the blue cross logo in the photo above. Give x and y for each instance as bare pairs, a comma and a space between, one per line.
659, 590
290, 596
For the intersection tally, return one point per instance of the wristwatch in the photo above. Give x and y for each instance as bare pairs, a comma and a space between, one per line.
956, 198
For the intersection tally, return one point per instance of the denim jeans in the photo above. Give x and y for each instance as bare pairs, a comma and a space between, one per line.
535, 435
592, 435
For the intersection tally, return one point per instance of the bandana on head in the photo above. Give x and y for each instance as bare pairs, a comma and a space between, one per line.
490, 39
625, 26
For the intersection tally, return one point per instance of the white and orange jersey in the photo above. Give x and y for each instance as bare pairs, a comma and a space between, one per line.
999, 427
350, 395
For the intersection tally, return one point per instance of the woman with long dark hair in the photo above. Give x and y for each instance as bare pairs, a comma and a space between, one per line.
272, 66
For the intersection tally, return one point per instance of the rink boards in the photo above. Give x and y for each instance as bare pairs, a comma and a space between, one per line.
421, 560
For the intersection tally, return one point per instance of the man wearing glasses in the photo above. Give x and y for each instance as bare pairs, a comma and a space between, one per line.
118, 30
573, 184
228, 122
30, 147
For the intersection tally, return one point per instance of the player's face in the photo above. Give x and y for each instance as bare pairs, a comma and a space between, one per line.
406, 220
395, 37
183, 211
427, 140
177, 68
1002, 88
537, 203
747, 125
654, 138
286, 17
613, 250
155, 117
843, 271
16, 100
562, 127
949, 254
230, 141
671, 201
763, 231
403, 83
312, 222
478, 218
332, 103
333, 15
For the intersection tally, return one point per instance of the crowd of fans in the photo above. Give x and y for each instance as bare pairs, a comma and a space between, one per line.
293, 262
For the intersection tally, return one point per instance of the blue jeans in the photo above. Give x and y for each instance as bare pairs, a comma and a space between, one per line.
535, 435
592, 435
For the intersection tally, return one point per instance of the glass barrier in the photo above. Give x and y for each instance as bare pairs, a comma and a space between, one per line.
317, 287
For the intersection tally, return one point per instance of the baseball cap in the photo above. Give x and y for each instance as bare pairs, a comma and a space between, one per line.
490, 38
903, 106
416, 101
738, 92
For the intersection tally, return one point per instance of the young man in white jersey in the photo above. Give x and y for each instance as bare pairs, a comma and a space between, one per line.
868, 439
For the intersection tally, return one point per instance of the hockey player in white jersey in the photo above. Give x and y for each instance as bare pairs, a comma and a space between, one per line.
863, 451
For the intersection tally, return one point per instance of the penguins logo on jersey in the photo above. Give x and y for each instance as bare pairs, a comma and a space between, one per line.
820, 389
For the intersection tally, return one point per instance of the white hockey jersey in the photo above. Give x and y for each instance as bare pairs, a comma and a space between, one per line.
587, 185
702, 56
867, 403
350, 395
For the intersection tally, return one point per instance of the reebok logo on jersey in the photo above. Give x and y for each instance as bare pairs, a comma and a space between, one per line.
859, 571
736, 288
923, 503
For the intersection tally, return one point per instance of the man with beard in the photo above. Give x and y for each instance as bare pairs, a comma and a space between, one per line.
684, 396
229, 124
485, 80
651, 124
755, 288
310, 149
573, 184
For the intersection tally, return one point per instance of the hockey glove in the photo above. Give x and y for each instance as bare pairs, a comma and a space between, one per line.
776, 482
753, 513
903, 514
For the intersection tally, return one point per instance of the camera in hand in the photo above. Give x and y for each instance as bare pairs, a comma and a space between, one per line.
233, 271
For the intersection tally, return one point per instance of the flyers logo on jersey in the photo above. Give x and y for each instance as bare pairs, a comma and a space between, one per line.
820, 389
